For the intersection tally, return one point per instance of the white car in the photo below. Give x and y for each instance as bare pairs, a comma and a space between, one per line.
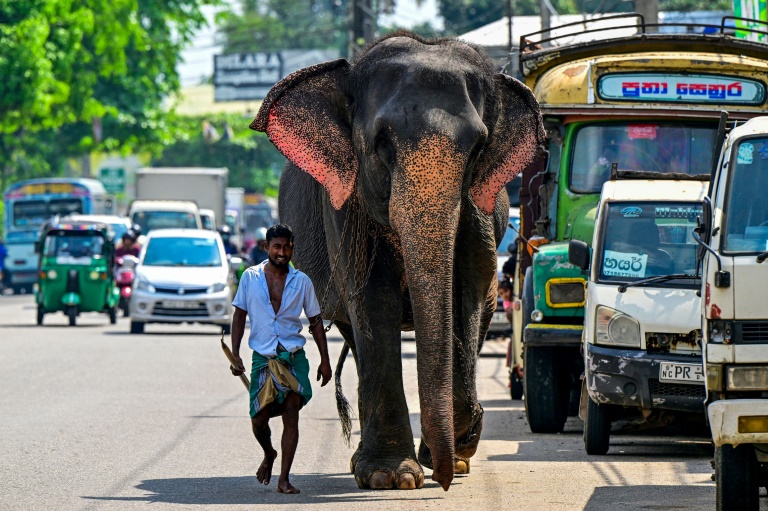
183, 276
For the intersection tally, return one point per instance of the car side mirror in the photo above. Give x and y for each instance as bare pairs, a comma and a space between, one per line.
578, 254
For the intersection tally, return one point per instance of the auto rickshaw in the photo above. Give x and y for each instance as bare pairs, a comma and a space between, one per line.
76, 262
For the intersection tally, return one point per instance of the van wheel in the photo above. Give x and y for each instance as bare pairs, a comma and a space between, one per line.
112, 315
137, 327
72, 315
735, 475
546, 405
597, 428
40, 315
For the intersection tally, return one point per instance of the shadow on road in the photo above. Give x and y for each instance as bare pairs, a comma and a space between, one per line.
648, 497
316, 489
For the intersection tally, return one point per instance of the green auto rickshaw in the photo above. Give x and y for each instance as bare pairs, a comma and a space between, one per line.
76, 268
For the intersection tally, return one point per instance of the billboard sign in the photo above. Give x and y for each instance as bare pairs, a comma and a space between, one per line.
678, 88
249, 76
755, 12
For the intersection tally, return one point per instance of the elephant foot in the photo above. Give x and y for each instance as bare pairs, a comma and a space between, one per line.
460, 464
406, 474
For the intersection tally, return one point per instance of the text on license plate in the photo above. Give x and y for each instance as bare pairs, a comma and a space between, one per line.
681, 373
179, 304
499, 317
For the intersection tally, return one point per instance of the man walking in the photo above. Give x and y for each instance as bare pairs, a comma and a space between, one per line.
273, 294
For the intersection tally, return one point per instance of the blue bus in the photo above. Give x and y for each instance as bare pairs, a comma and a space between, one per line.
28, 204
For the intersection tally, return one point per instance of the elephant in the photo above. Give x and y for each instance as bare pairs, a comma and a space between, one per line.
394, 187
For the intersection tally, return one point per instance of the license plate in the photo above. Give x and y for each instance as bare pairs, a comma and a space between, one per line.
681, 373
179, 304
499, 317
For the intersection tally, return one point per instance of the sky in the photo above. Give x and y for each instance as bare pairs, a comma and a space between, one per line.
198, 57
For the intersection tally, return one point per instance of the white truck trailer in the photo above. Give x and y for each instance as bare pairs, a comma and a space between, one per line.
204, 186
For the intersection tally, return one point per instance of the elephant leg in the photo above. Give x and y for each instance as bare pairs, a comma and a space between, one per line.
385, 457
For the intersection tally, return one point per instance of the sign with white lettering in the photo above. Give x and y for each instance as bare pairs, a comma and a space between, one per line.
622, 264
662, 87
249, 76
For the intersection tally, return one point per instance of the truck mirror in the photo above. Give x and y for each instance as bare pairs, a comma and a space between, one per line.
578, 254
704, 228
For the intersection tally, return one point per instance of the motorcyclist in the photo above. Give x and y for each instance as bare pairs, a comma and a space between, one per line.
259, 250
226, 236
128, 245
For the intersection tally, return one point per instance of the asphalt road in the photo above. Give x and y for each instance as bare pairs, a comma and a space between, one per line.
94, 418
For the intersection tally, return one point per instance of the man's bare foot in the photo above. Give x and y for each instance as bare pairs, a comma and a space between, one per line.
264, 473
286, 487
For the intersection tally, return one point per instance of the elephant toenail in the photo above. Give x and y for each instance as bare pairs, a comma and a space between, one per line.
359, 482
380, 481
406, 482
461, 467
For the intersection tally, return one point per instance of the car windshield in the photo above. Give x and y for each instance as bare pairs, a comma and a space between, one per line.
648, 239
509, 235
681, 148
73, 244
182, 252
746, 207
150, 220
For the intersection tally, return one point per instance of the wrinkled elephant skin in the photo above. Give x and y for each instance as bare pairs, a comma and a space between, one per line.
394, 188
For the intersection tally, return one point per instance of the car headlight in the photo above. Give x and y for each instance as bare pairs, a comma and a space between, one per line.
142, 284
217, 287
615, 328
720, 332
747, 378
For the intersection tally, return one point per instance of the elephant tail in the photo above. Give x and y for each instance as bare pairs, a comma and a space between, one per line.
342, 405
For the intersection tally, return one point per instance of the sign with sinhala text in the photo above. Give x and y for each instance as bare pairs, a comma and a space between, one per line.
665, 87
112, 179
249, 76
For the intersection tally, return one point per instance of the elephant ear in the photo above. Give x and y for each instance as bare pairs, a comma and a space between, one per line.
305, 115
515, 137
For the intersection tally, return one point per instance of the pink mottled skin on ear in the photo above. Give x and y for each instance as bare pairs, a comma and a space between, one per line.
300, 151
485, 192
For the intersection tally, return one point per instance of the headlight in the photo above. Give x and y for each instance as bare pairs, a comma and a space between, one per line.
720, 332
562, 293
143, 284
217, 287
747, 378
615, 328
52, 274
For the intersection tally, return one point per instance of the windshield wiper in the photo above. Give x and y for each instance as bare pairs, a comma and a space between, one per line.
762, 257
658, 278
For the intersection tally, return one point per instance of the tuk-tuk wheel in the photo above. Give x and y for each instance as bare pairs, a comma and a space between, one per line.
40, 314
72, 315
112, 315
137, 327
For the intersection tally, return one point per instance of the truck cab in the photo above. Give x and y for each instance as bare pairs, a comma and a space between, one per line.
642, 337
164, 214
734, 236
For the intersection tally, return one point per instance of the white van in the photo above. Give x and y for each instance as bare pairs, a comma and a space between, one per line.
164, 214
642, 353
734, 233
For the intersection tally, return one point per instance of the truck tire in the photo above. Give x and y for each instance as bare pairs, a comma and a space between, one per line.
543, 386
597, 428
137, 327
735, 475
40, 315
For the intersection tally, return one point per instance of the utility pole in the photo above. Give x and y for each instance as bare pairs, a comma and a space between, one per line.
545, 16
361, 19
510, 13
650, 11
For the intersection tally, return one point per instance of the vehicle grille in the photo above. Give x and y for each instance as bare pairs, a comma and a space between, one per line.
751, 331
200, 310
175, 290
662, 389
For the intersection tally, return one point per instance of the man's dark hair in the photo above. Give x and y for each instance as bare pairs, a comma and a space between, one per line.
505, 284
279, 231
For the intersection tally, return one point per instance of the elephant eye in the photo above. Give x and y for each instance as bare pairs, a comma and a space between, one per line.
384, 149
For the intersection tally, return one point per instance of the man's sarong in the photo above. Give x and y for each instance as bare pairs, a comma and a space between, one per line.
273, 378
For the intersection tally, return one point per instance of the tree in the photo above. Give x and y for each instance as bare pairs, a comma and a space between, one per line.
69, 63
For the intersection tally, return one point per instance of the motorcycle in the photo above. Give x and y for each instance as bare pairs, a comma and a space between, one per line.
124, 276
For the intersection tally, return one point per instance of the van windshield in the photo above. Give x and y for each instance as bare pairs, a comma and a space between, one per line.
650, 147
150, 220
746, 203
648, 239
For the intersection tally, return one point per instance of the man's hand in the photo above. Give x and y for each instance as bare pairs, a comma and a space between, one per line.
239, 368
324, 372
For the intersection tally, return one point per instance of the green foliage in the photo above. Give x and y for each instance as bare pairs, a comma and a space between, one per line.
461, 16
67, 62
253, 162
696, 5
270, 25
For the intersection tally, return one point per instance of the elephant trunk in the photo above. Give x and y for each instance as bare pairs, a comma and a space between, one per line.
424, 210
